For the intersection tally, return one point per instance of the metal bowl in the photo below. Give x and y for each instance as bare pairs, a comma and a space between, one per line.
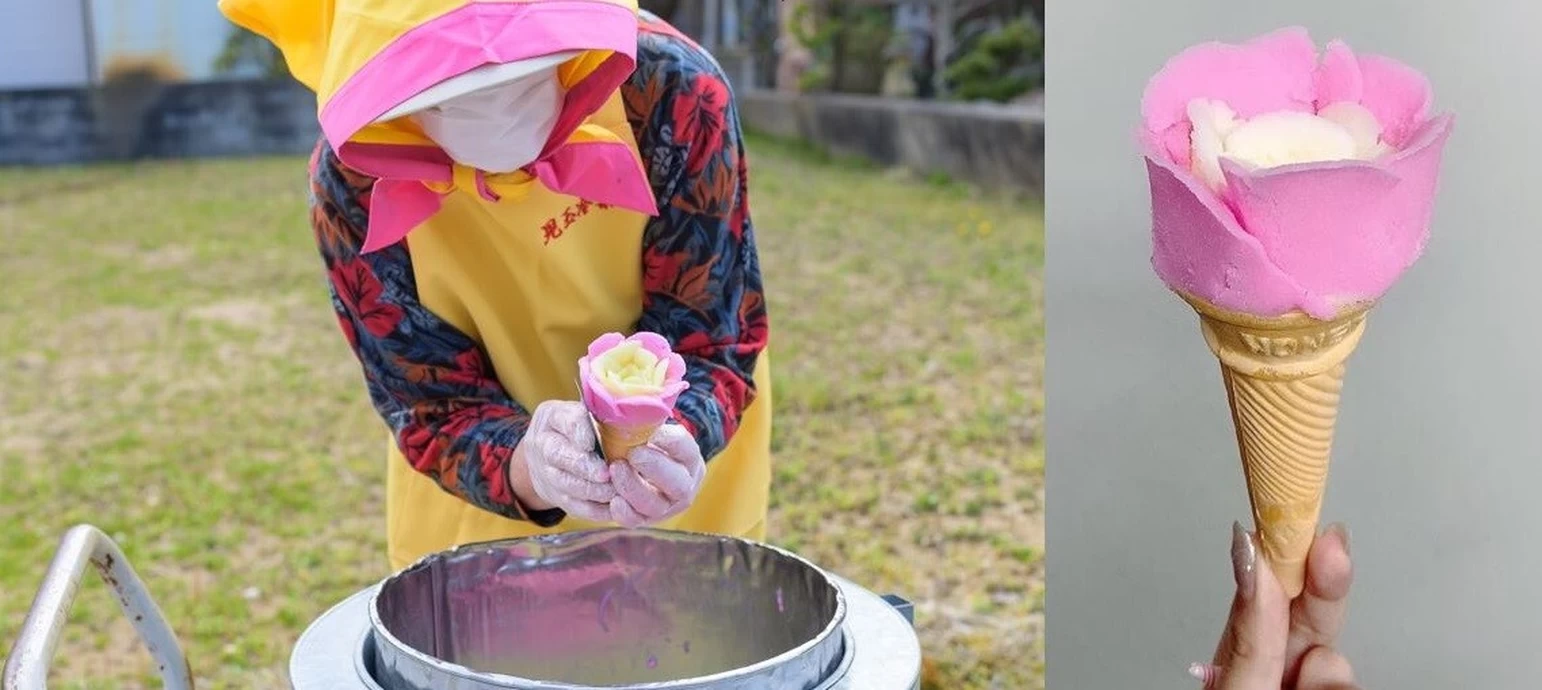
609, 609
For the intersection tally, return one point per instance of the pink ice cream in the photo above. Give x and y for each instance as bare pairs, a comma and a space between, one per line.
631, 381
1312, 236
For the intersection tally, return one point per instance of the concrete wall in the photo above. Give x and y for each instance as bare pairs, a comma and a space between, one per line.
996, 147
146, 120
999, 147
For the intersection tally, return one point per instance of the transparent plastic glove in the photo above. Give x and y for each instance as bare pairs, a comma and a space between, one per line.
564, 470
659, 480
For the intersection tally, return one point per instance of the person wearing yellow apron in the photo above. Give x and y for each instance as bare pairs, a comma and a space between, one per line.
497, 184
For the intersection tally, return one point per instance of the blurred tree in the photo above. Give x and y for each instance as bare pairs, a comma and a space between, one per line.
245, 49
849, 40
1000, 65
665, 9
142, 69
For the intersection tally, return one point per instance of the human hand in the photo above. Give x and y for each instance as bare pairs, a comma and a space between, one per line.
659, 479
1271, 642
555, 463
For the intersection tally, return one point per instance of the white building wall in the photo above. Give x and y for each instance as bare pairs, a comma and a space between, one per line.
43, 44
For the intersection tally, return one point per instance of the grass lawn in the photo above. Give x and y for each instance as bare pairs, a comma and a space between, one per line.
170, 371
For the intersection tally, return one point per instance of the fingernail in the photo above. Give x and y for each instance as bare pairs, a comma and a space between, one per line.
1244, 560
1206, 674
1343, 531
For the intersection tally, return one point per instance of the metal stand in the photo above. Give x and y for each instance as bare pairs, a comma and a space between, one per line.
27, 666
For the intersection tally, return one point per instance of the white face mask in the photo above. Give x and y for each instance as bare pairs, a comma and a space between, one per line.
501, 128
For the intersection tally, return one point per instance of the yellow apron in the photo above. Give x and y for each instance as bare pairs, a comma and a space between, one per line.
487, 269
531, 273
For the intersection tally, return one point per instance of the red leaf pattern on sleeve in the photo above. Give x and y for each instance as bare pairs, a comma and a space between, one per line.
701, 271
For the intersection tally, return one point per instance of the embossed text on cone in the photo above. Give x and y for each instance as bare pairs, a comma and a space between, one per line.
1283, 376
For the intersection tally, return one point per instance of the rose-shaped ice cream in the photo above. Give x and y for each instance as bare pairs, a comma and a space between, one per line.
630, 386
1280, 182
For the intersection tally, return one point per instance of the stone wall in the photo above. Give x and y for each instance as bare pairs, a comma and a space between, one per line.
149, 120
993, 146
999, 147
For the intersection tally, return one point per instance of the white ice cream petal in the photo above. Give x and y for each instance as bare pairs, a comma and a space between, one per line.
1340, 131
1211, 121
630, 369
1286, 137
660, 372
1361, 125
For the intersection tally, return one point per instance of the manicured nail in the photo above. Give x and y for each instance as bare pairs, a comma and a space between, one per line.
1343, 531
1244, 560
1206, 674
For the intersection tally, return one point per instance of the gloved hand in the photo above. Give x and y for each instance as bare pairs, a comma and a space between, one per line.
564, 471
659, 480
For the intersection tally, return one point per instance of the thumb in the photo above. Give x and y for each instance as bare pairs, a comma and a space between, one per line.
676, 442
1252, 650
572, 422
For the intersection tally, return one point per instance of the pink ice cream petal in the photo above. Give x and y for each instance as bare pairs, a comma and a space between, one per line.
1419, 168
1338, 76
673, 390
653, 343
604, 406
604, 343
585, 373
1431, 133
1344, 231
1338, 229
596, 397
1172, 145
1398, 95
1199, 249
676, 369
1178, 142
640, 410
1269, 73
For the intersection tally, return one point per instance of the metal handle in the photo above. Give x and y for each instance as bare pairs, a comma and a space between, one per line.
27, 666
905, 608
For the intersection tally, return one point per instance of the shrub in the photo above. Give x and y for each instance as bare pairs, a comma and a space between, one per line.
1002, 64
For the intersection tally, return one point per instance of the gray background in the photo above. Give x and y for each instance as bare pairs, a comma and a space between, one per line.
1436, 465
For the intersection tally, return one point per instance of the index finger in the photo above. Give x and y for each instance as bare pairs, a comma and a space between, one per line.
676, 443
662, 472
1317, 616
1251, 653
576, 426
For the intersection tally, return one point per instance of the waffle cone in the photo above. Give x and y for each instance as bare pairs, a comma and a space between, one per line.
1283, 376
617, 441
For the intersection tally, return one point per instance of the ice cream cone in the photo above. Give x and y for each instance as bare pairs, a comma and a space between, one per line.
1283, 375
617, 441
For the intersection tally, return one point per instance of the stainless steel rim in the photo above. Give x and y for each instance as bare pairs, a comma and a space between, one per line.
882, 644
365, 653
834, 628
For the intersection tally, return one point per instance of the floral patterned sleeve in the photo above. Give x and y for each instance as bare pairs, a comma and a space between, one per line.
701, 273
432, 384
436, 388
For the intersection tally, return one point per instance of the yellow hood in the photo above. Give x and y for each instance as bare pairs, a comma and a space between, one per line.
364, 57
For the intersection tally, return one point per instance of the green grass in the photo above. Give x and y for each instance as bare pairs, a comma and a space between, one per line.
170, 371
